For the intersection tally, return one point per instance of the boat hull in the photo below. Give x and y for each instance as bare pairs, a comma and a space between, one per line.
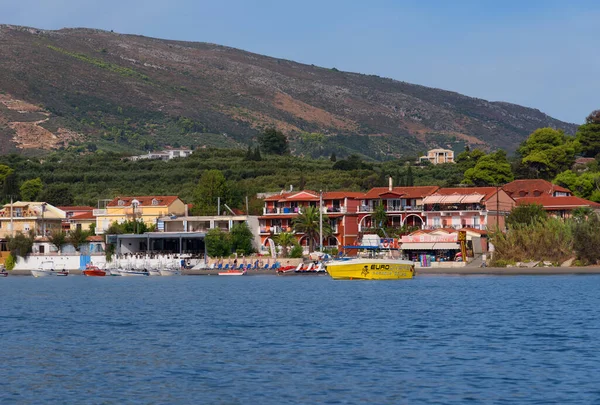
167, 273
371, 269
42, 273
232, 273
131, 273
94, 273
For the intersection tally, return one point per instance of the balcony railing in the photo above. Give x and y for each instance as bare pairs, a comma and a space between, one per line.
298, 210
454, 208
369, 208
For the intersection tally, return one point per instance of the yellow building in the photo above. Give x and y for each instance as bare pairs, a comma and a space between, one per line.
39, 217
78, 217
25, 217
146, 208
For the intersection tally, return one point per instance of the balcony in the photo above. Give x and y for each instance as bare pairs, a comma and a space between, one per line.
454, 208
98, 212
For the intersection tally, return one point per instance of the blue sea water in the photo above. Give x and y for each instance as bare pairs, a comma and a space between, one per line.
300, 340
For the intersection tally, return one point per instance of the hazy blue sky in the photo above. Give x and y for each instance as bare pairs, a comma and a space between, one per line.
541, 54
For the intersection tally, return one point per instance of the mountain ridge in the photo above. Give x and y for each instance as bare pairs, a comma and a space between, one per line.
93, 88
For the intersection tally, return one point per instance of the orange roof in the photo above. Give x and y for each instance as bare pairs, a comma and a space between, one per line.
309, 195
145, 201
76, 208
402, 192
529, 186
83, 215
565, 202
487, 191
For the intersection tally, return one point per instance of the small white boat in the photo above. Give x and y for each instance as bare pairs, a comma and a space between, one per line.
133, 272
232, 273
46, 269
169, 272
154, 272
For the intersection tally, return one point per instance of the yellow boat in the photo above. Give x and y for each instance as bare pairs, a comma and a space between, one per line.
370, 269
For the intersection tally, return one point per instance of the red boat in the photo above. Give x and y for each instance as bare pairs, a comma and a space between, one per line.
94, 271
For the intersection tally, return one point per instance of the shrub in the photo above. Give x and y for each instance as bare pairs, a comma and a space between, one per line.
296, 252
10, 262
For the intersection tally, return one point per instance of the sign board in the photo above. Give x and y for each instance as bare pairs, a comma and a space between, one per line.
453, 237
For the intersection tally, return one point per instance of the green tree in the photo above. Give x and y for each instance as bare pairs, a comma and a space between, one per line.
20, 244
10, 262
333, 158
57, 195
77, 237
547, 152
379, 216
31, 189
588, 135
582, 185
274, 142
218, 243
5, 171
307, 222
526, 214
58, 239
241, 238
468, 159
285, 240
212, 185
489, 170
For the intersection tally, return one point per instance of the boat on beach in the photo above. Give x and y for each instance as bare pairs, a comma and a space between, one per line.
133, 272
46, 269
232, 272
94, 271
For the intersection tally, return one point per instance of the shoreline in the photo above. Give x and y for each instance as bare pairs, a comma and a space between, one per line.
420, 271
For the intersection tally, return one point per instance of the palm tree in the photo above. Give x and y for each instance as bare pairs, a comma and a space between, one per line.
379, 216
285, 240
307, 222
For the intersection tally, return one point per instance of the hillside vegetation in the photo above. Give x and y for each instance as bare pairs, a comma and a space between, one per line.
107, 91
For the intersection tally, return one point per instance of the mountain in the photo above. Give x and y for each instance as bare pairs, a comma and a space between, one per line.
95, 89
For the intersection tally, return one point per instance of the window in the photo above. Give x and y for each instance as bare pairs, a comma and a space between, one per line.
436, 221
154, 201
26, 227
120, 203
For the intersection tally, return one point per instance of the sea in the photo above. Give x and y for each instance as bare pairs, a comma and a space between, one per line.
300, 340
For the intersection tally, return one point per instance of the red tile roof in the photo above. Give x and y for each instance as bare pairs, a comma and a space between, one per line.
145, 201
487, 191
566, 202
402, 192
530, 186
83, 215
309, 195
76, 208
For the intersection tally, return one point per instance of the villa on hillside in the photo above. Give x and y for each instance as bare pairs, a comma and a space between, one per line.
438, 156
166, 154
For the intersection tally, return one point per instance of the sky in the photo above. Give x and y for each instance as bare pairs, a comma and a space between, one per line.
542, 54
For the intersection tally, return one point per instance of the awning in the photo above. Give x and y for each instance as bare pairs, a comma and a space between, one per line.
417, 246
433, 199
430, 246
446, 246
453, 199
472, 198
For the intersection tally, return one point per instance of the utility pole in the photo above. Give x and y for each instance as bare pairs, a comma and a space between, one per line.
43, 222
497, 207
218, 206
247, 209
321, 221
12, 226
